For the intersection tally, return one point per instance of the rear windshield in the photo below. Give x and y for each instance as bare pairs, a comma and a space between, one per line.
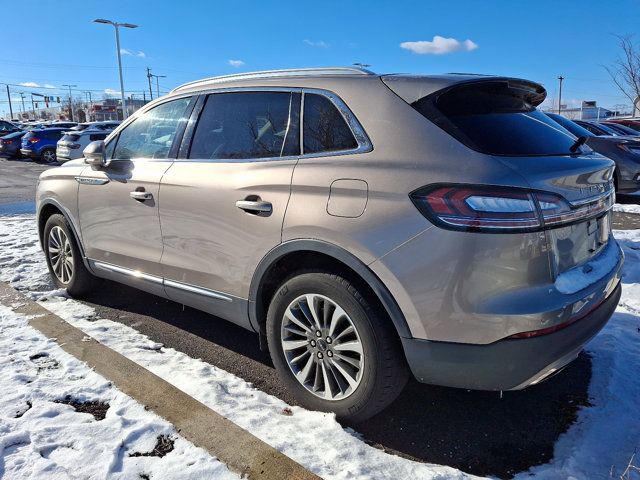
496, 118
70, 137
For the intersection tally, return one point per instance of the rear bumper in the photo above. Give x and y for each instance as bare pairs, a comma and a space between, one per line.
509, 364
29, 153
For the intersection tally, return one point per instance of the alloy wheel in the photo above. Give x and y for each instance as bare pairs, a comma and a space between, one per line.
322, 347
49, 156
60, 254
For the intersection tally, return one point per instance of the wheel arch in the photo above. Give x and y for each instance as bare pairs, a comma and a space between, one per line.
284, 259
50, 207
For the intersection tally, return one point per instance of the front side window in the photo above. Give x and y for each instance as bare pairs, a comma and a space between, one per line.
325, 129
242, 125
151, 135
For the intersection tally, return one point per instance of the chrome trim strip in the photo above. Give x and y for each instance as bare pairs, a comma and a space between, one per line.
295, 72
161, 281
127, 271
197, 290
91, 180
593, 199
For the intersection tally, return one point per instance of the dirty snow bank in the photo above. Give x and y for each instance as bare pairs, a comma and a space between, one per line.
41, 438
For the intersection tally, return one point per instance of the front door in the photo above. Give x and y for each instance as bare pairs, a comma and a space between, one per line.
222, 206
118, 204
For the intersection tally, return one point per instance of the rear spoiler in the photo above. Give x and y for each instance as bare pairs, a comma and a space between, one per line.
412, 88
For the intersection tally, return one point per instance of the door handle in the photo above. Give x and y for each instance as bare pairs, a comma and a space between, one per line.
141, 195
258, 206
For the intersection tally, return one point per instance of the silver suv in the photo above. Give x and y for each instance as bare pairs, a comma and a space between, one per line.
364, 226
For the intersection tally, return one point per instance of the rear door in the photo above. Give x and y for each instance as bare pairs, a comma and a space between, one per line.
223, 202
118, 204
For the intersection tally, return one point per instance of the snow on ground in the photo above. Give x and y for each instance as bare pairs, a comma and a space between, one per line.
627, 208
43, 438
604, 436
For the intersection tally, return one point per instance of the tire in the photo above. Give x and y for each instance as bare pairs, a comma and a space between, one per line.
64, 259
48, 155
377, 374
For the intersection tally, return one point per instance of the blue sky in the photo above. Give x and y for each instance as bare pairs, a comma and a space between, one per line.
55, 42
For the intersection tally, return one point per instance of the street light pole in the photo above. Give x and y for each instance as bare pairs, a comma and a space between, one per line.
117, 26
70, 102
561, 78
22, 98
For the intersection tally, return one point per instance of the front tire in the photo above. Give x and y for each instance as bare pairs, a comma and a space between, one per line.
64, 259
334, 349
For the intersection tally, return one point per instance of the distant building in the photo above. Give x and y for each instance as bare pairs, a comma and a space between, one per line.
111, 109
589, 110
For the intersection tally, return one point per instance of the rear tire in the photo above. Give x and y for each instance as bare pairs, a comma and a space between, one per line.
48, 155
65, 262
330, 374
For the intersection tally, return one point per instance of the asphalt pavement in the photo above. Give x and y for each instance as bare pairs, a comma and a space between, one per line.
482, 433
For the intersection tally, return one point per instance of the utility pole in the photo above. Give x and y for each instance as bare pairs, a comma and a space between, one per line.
158, 84
22, 98
10, 107
33, 107
149, 80
561, 78
70, 102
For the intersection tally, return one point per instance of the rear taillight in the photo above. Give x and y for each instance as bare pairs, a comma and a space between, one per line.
500, 209
6, 142
34, 140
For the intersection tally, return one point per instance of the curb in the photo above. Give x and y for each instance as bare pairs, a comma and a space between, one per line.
240, 450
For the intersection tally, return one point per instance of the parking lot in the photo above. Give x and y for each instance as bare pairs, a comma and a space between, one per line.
482, 433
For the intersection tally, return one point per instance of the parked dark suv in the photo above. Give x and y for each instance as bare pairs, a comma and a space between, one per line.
364, 226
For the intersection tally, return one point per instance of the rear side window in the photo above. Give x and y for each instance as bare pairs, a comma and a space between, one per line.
243, 125
151, 135
53, 135
70, 137
325, 129
97, 136
496, 118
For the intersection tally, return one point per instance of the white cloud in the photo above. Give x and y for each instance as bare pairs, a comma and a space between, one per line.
133, 53
439, 46
236, 63
29, 84
318, 44
111, 91
48, 85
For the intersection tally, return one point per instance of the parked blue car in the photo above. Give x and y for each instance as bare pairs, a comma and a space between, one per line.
41, 144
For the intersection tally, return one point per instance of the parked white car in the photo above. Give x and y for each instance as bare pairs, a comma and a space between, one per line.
73, 142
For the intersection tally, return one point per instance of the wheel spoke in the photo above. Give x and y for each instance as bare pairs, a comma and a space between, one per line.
293, 344
351, 380
311, 304
344, 358
353, 346
291, 316
338, 313
303, 374
328, 394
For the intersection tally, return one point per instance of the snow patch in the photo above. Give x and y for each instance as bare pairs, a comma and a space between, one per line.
582, 276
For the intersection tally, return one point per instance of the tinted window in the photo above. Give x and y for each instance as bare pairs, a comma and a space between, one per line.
247, 125
151, 135
325, 129
97, 136
497, 118
592, 128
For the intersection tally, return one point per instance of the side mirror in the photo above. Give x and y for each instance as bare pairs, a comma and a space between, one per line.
94, 154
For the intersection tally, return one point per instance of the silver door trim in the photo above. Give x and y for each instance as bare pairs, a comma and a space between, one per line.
205, 292
161, 281
91, 180
128, 272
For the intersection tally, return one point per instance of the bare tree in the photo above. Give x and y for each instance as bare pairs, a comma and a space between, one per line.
625, 72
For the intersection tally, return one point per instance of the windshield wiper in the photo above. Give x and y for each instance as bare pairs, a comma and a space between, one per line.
578, 143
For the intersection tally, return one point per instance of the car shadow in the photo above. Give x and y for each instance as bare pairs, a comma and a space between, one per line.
482, 433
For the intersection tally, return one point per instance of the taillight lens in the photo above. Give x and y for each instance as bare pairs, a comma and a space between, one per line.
500, 209
6, 142
34, 140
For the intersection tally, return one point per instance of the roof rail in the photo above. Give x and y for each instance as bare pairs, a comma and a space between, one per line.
294, 72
